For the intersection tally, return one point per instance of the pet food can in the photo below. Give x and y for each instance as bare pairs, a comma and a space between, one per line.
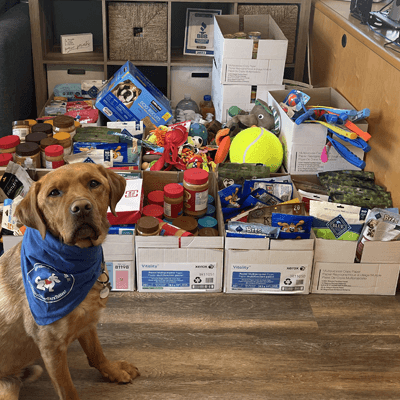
153, 210
5, 158
195, 183
256, 36
21, 129
65, 140
173, 200
189, 224
240, 35
156, 197
64, 123
8, 144
148, 226
28, 150
43, 127
229, 36
50, 141
54, 156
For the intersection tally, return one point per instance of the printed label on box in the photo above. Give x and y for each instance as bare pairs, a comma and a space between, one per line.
246, 73
289, 278
178, 276
120, 275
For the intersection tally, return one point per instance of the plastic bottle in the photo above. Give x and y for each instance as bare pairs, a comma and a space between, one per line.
207, 106
185, 108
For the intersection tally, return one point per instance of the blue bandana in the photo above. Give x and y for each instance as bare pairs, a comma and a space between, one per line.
57, 277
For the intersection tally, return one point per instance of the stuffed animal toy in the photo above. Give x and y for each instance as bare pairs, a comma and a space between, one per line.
261, 115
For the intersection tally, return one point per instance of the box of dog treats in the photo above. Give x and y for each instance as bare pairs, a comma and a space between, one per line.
130, 96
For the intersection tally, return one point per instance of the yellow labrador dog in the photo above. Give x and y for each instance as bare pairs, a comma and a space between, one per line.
53, 284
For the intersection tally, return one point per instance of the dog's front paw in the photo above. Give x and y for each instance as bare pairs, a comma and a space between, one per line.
119, 371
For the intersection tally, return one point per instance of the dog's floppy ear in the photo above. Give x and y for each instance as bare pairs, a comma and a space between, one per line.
28, 212
117, 188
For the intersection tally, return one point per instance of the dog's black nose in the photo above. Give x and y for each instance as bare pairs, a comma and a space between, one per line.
81, 207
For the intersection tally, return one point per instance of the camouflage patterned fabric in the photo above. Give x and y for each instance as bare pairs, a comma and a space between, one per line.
236, 173
357, 188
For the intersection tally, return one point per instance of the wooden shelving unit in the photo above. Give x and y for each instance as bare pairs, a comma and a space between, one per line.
46, 48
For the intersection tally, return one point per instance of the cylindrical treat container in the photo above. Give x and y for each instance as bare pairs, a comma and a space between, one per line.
147, 226
5, 158
173, 200
28, 150
207, 222
156, 197
64, 123
21, 129
187, 223
195, 183
43, 127
8, 144
153, 210
54, 156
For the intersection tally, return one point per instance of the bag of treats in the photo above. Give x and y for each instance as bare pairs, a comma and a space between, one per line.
337, 221
292, 226
263, 215
380, 225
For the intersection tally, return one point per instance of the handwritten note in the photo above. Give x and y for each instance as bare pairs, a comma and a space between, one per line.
79, 43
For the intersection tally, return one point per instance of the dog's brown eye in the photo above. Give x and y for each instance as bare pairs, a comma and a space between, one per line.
93, 183
54, 193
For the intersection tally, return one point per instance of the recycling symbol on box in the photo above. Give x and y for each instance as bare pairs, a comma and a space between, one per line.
197, 280
287, 281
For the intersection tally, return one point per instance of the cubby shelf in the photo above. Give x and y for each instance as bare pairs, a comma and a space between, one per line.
47, 23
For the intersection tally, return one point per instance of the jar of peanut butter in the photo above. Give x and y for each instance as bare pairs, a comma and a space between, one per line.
8, 144
148, 226
64, 123
65, 140
28, 150
21, 129
50, 141
43, 127
195, 183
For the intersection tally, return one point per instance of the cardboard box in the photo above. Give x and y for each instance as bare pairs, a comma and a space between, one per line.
336, 273
60, 74
226, 96
233, 57
129, 208
76, 43
172, 264
268, 265
130, 96
119, 256
197, 81
303, 143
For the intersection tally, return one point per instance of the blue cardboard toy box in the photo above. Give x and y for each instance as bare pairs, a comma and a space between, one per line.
130, 96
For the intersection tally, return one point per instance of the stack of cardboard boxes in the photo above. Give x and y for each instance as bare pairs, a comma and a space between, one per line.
236, 74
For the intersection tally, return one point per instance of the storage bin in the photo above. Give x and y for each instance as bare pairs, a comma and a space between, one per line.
138, 31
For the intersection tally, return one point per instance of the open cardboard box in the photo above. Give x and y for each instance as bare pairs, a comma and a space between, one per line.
226, 96
268, 266
173, 264
233, 57
303, 143
119, 253
335, 271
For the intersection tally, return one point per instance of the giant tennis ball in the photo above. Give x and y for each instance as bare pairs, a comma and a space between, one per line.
257, 145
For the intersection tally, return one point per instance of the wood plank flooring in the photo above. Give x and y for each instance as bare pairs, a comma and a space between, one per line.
222, 346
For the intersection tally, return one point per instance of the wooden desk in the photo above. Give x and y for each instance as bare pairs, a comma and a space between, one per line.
349, 57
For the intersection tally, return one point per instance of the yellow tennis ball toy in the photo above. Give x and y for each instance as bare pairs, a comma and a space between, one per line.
257, 145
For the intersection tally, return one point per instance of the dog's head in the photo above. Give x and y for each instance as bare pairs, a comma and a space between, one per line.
71, 203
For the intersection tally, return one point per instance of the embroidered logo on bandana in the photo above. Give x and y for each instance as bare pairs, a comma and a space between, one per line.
48, 285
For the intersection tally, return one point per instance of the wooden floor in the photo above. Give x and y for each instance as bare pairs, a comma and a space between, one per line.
220, 346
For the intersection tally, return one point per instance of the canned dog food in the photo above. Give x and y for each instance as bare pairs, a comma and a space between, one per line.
240, 35
256, 36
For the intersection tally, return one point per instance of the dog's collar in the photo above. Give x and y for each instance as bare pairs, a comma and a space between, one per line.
57, 277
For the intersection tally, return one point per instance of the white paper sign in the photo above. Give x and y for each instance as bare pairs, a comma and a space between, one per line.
199, 32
